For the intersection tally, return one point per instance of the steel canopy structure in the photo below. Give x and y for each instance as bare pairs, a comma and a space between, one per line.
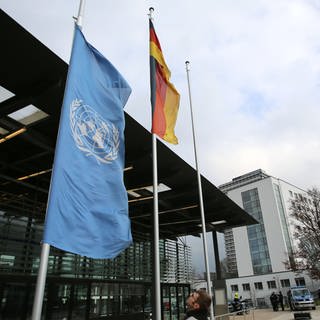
36, 76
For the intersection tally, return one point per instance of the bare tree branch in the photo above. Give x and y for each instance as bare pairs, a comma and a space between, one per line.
306, 213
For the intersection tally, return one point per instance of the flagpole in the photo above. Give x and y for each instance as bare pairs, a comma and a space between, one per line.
45, 248
203, 222
41, 282
156, 255
80, 14
156, 308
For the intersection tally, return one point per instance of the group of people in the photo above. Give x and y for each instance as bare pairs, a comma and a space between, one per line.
276, 301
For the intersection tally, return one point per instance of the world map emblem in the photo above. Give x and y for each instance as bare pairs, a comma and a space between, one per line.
92, 134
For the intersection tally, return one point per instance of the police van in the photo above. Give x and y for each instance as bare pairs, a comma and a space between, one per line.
300, 298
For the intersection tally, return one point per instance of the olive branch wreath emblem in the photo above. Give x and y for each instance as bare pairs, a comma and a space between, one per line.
108, 144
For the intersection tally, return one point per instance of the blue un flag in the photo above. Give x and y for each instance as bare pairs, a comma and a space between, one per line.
88, 206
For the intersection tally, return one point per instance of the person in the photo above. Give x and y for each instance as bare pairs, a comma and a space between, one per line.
280, 298
236, 303
289, 294
274, 301
198, 305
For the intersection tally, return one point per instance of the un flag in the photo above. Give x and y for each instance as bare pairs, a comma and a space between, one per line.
87, 210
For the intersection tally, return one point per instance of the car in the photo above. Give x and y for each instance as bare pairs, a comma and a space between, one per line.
300, 298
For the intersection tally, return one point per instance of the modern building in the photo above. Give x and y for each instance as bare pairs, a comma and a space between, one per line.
82, 288
260, 251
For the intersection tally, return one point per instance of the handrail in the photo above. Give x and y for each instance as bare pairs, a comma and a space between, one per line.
245, 314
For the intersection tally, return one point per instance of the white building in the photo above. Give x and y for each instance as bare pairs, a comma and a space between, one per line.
259, 288
256, 253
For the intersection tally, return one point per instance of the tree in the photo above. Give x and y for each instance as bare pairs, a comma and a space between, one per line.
306, 213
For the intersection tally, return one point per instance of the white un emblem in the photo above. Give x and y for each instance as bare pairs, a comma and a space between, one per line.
92, 134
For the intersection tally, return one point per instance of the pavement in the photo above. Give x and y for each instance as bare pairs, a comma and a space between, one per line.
269, 314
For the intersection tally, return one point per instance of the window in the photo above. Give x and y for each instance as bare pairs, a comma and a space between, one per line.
285, 283
256, 233
234, 288
5, 94
300, 281
7, 261
258, 285
28, 115
271, 284
261, 303
291, 194
246, 286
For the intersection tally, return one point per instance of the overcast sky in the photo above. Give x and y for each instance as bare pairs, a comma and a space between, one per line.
255, 74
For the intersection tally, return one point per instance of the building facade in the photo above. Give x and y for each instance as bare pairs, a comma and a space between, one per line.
257, 289
81, 288
261, 249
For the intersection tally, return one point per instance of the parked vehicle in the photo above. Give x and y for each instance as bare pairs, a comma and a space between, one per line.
240, 306
300, 298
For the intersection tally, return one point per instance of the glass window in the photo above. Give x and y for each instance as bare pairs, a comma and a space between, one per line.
173, 302
166, 302
79, 303
261, 303
271, 284
300, 281
258, 285
181, 301
28, 115
234, 287
6, 260
285, 283
246, 286
256, 233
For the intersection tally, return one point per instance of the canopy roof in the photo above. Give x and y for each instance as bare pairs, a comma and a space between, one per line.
36, 76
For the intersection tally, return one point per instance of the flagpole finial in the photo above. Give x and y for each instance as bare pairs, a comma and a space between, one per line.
187, 65
79, 18
151, 9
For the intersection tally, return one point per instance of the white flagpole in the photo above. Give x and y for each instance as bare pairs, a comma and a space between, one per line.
41, 282
200, 196
45, 248
156, 309
80, 14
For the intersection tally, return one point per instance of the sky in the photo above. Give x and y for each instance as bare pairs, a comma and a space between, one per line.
254, 75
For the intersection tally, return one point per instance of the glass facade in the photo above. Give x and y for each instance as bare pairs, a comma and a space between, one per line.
230, 253
83, 288
256, 233
284, 222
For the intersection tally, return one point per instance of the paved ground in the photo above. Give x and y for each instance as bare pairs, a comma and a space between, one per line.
268, 314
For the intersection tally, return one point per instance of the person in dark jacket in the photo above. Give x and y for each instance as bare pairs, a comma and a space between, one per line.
198, 305
274, 301
280, 298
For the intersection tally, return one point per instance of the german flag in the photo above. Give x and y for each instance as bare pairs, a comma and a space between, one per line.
164, 96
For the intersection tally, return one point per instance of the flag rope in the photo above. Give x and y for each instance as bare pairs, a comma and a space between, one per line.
203, 222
